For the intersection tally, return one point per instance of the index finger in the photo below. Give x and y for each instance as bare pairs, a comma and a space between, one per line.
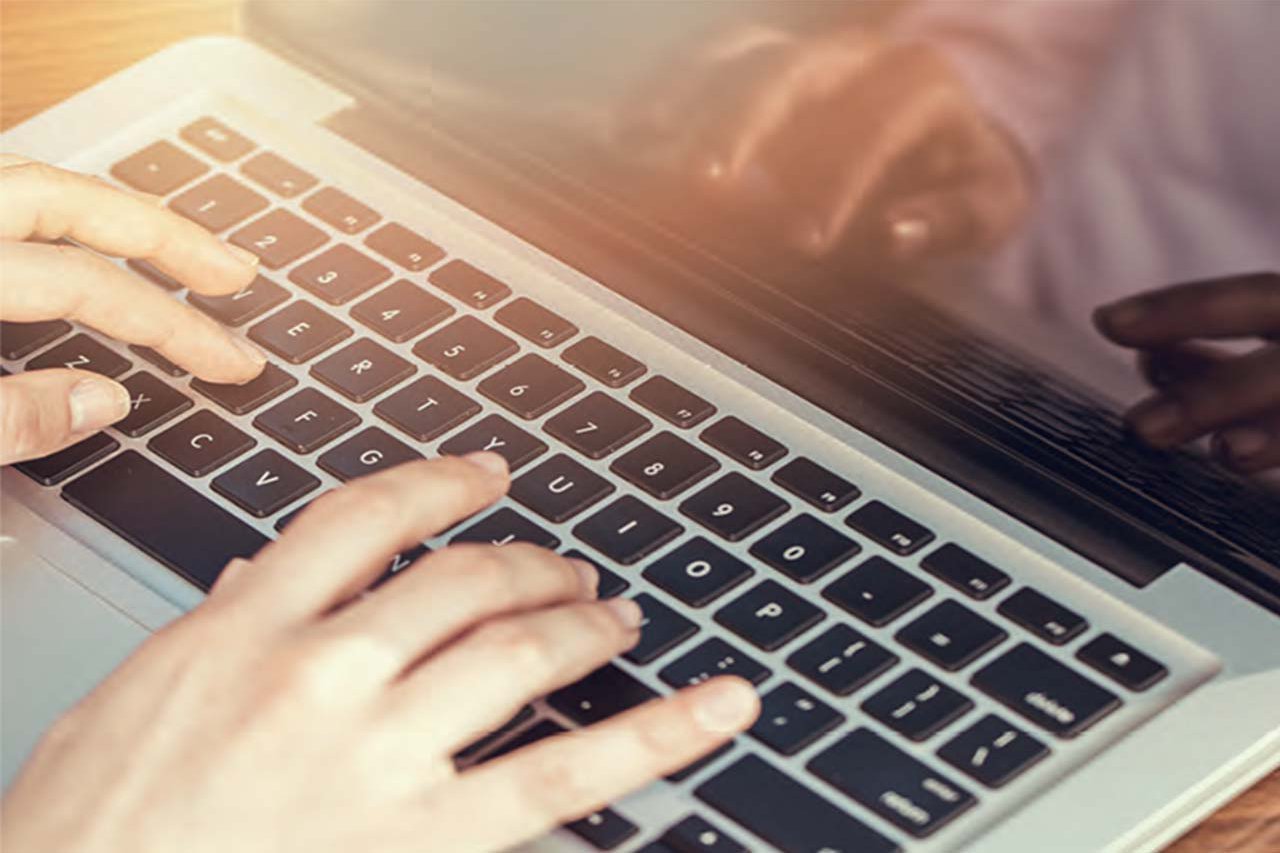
47, 203
1236, 306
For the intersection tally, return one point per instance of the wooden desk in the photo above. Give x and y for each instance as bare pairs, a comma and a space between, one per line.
50, 49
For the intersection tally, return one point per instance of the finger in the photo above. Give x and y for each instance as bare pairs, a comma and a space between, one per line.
46, 203
45, 282
460, 587
1233, 390
1167, 366
342, 541
506, 663
44, 411
563, 778
1219, 308
1251, 446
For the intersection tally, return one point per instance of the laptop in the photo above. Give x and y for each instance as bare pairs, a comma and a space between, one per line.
979, 615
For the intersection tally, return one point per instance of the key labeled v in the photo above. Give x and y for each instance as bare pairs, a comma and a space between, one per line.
266, 478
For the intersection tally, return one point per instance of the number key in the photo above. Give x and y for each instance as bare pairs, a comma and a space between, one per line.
465, 348
218, 203
530, 386
401, 311
597, 425
339, 274
733, 506
279, 238
664, 465
804, 549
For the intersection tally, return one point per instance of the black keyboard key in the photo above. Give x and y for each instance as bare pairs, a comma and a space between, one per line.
603, 362
201, 443
1042, 616
661, 631
468, 284
398, 244
465, 348
668, 400
610, 583
971, 575
265, 483
277, 174
367, 452
152, 273
891, 783
242, 399
161, 515
158, 361
69, 461
877, 591
81, 352
814, 484
1121, 662
603, 830
151, 403
299, 332
695, 834
597, 425
236, 309
791, 718
951, 635
890, 528
218, 203
804, 549
772, 804
279, 238
401, 561
158, 169
627, 530
482, 745
362, 370
19, 340
334, 207
664, 465
733, 507
769, 615
743, 443
306, 421
560, 488
917, 705
992, 751
426, 408
602, 694
540, 730
534, 323
842, 660
1044, 691
530, 387
496, 434
701, 764
698, 572
216, 139
401, 311
711, 658
506, 526
339, 274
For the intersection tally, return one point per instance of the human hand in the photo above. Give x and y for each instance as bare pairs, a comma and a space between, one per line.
1201, 389
46, 410
289, 713
857, 131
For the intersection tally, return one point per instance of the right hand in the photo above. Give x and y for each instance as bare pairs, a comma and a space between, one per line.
855, 131
290, 713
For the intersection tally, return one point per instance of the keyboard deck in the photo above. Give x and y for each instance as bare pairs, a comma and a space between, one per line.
910, 686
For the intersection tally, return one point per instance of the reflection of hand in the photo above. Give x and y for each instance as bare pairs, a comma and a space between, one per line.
858, 130
1200, 389
287, 712
43, 411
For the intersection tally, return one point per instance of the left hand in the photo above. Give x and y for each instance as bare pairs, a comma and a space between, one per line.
1201, 389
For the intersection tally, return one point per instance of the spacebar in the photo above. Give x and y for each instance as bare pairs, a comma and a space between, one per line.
163, 516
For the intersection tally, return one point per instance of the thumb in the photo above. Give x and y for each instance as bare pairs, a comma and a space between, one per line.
46, 410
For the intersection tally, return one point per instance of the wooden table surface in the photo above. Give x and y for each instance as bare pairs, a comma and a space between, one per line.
50, 49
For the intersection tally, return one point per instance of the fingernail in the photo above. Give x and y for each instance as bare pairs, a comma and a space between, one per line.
725, 706
909, 236
714, 170
242, 255
588, 575
488, 461
250, 351
1243, 442
626, 612
1124, 313
96, 403
1157, 421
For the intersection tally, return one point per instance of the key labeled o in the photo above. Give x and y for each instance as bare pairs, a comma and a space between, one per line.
698, 569
793, 553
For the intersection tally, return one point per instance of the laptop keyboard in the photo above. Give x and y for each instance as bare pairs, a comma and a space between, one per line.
403, 352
